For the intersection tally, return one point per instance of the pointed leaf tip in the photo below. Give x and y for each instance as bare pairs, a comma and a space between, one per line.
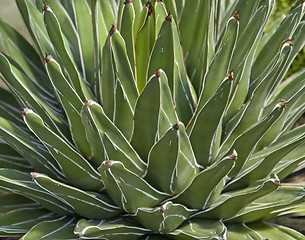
88, 103
233, 156
45, 7
34, 175
230, 75
26, 110
282, 104
169, 17
128, 2
48, 58
236, 15
112, 30
176, 126
158, 73
108, 163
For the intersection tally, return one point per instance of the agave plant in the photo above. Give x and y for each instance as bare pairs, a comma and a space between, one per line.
151, 120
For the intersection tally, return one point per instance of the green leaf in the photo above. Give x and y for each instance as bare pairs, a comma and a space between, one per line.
59, 228
21, 183
76, 168
260, 168
194, 229
94, 138
12, 201
105, 126
146, 118
123, 67
83, 22
126, 30
123, 115
29, 96
32, 18
64, 56
24, 54
171, 162
203, 139
163, 219
267, 55
85, 204
108, 80
200, 44
246, 142
72, 105
143, 43
128, 190
219, 67
198, 192
167, 114
229, 204
277, 203
27, 146
119, 229
21, 220
9, 107
9, 158
68, 28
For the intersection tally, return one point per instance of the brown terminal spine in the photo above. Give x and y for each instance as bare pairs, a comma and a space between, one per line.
169, 17
112, 30
282, 103
230, 75
158, 73
45, 7
108, 164
48, 58
176, 126
128, 2
236, 15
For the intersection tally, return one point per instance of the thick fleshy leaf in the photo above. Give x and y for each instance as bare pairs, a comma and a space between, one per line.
246, 143
195, 229
71, 103
171, 162
83, 22
85, 204
126, 30
197, 194
267, 55
204, 140
220, 64
9, 158
28, 95
143, 43
105, 126
146, 118
21, 220
119, 229
32, 18
24, 54
163, 219
167, 114
94, 138
12, 201
21, 183
229, 204
123, 67
28, 147
128, 190
68, 28
83, 174
60, 228
64, 55
277, 203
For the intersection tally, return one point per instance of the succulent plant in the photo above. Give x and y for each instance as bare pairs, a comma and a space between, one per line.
151, 120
